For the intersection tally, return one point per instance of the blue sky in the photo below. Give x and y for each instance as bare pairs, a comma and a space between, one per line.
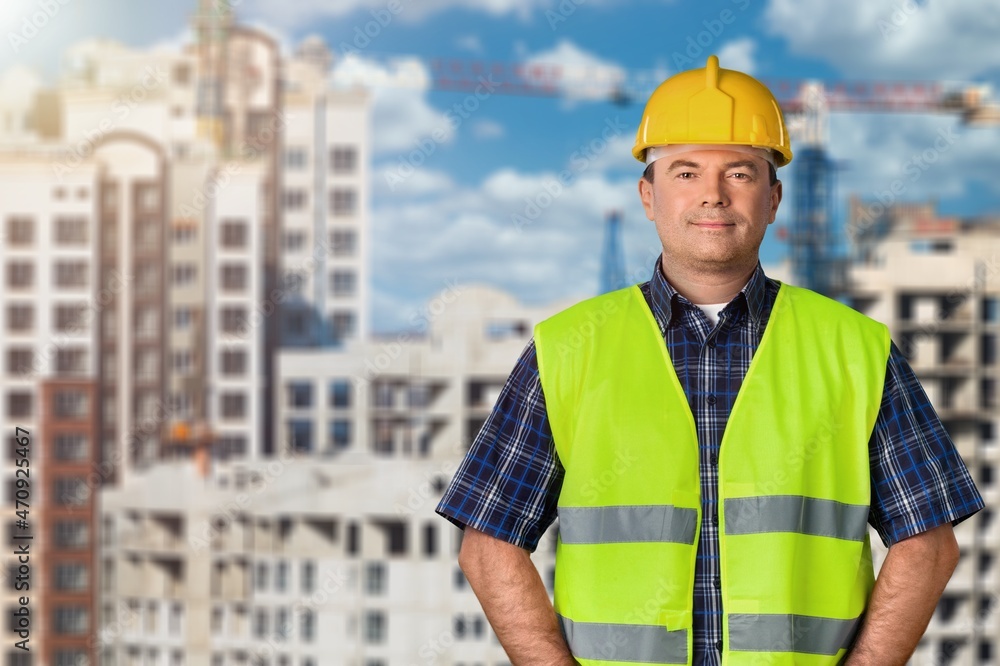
454, 217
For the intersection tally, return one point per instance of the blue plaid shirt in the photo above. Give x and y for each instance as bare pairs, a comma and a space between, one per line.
509, 482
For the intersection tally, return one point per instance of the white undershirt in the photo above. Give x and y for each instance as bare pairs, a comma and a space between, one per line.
712, 311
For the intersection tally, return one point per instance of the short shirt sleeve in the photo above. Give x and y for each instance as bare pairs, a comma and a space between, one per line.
508, 484
919, 481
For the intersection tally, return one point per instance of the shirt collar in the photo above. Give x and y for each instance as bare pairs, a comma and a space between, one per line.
663, 293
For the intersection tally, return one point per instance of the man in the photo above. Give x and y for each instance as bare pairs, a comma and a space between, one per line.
713, 442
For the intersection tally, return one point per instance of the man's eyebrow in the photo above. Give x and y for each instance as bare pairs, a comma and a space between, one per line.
750, 164
676, 164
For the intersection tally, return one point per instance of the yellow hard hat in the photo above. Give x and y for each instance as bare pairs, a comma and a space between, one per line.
713, 106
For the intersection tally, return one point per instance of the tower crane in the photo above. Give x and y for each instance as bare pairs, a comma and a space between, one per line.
807, 104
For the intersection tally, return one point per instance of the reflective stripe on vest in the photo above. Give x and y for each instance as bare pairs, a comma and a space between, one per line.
649, 644
792, 513
791, 633
627, 524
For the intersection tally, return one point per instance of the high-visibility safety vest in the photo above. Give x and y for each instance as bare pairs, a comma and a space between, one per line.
793, 472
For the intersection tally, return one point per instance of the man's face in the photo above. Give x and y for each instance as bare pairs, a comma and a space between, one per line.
711, 207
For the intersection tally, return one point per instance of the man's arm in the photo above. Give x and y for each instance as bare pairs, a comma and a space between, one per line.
514, 599
909, 585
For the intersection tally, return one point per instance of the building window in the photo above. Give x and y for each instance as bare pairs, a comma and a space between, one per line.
70, 491
71, 534
20, 231
281, 576
69, 317
71, 620
375, 578
294, 241
300, 394
183, 234
340, 434
340, 394
20, 275
148, 198
343, 159
234, 320
233, 405
71, 658
308, 626
71, 361
20, 405
183, 274
71, 274
375, 627
261, 577
430, 540
182, 318
343, 201
71, 577
343, 242
19, 360
180, 361
260, 623
294, 199
308, 577
71, 231
344, 324
295, 158
229, 446
300, 435
147, 324
20, 317
233, 277
70, 404
343, 284
149, 279
233, 362
233, 234
71, 447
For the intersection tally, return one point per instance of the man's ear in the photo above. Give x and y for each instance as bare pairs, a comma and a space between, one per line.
646, 196
776, 192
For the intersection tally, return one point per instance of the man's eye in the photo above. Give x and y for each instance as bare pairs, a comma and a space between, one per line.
739, 175
685, 175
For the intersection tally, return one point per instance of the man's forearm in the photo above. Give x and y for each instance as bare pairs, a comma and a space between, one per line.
909, 585
514, 599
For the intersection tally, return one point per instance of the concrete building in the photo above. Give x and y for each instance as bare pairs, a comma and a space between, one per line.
49, 318
934, 281
142, 217
329, 553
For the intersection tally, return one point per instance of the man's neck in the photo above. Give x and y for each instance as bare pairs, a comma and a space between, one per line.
708, 288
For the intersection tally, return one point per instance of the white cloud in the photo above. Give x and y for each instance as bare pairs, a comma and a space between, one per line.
522, 232
420, 183
933, 39
401, 116
487, 129
579, 74
739, 55
305, 12
470, 43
